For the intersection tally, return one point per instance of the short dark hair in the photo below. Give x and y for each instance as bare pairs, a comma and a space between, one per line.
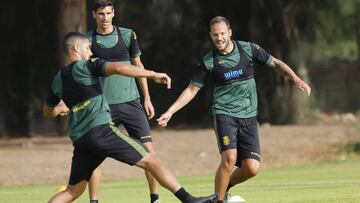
101, 4
219, 19
70, 38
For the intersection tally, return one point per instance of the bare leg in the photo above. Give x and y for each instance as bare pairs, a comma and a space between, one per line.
150, 179
165, 178
249, 168
70, 194
222, 178
94, 183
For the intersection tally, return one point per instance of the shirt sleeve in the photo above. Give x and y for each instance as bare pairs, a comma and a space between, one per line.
96, 67
55, 91
260, 56
134, 49
52, 99
200, 76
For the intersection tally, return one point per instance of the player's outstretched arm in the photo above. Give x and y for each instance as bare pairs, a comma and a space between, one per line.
185, 97
134, 71
284, 69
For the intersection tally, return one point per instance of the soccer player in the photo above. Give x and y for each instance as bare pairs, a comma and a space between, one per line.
76, 90
230, 67
115, 43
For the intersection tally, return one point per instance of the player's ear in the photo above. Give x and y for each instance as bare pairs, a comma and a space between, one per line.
93, 14
230, 32
76, 48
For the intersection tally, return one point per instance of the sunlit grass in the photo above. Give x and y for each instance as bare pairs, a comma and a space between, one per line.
331, 182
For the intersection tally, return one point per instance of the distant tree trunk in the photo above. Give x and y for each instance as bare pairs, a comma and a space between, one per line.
15, 68
72, 17
357, 28
277, 100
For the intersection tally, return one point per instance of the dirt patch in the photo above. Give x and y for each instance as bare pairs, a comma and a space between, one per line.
41, 160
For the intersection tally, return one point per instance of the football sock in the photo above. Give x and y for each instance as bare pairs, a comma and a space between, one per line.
154, 197
183, 196
220, 201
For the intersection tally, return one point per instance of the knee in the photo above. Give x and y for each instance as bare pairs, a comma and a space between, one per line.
252, 169
228, 161
75, 192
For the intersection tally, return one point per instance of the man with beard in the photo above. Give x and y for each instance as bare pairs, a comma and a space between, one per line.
230, 67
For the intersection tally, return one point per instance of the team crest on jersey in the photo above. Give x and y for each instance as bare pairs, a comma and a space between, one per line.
256, 46
226, 140
93, 59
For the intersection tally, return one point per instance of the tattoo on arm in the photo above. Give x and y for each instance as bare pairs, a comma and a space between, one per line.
282, 68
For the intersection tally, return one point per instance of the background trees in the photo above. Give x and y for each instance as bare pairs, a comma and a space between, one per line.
314, 37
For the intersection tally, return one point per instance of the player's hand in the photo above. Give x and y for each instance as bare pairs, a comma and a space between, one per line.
149, 108
303, 86
62, 108
164, 119
64, 113
162, 78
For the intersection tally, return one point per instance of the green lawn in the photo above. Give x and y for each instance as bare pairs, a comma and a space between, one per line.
335, 182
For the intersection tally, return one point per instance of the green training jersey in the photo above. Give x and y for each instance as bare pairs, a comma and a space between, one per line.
119, 45
77, 84
232, 75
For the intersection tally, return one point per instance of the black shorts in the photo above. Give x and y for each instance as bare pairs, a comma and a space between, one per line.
240, 134
132, 116
100, 142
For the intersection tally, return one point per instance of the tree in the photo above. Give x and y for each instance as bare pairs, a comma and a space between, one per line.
72, 17
26, 60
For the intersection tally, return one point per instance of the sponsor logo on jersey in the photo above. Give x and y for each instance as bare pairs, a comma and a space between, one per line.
233, 74
81, 106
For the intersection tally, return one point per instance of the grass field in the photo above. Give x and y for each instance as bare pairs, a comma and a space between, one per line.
335, 182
